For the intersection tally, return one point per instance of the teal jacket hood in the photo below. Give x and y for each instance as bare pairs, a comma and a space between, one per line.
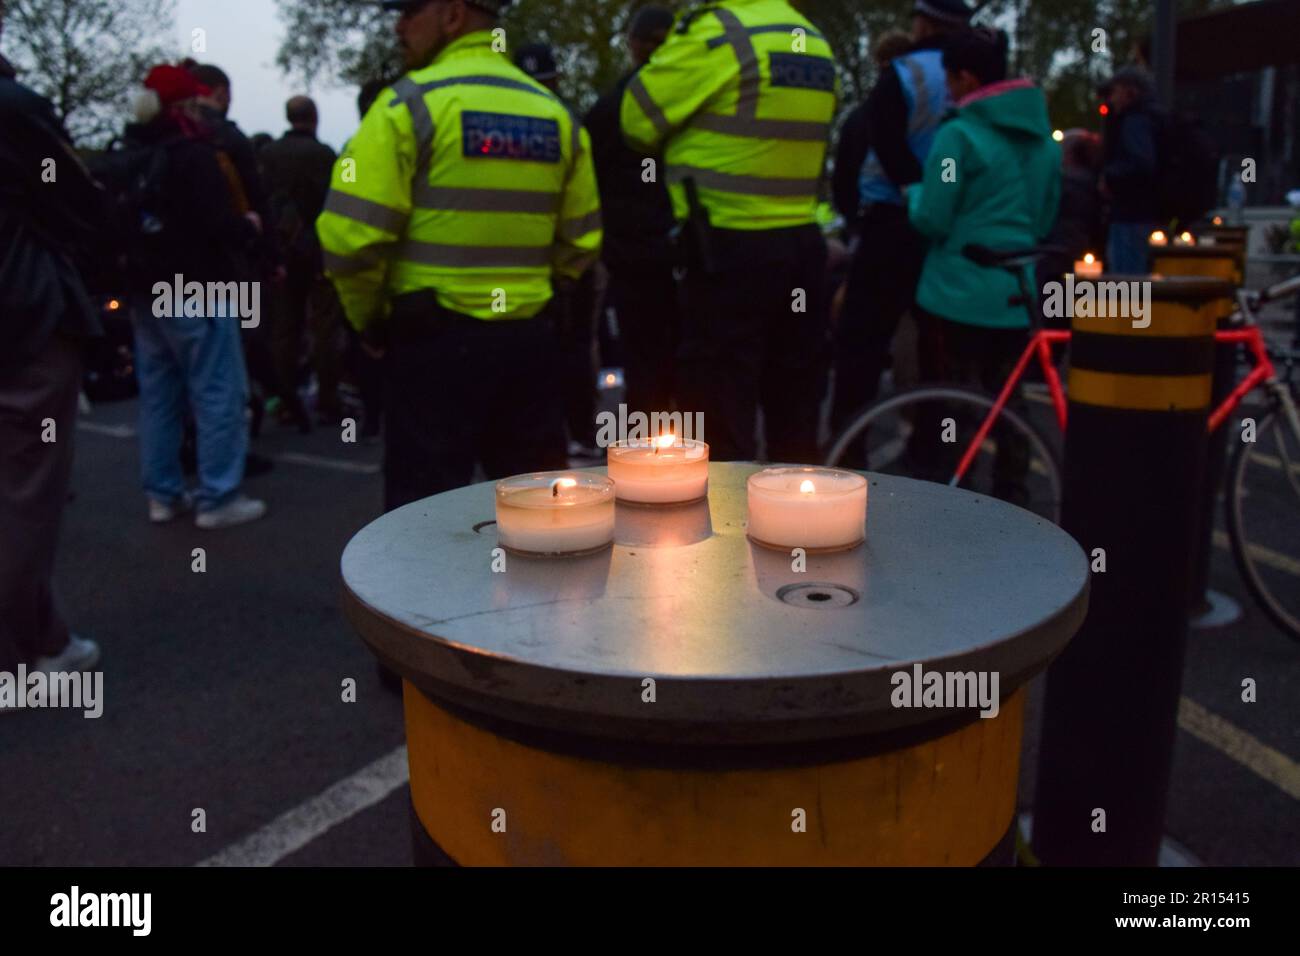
993, 178
1016, 106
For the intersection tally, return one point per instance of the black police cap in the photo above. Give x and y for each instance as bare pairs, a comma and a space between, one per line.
537, 60
951, 12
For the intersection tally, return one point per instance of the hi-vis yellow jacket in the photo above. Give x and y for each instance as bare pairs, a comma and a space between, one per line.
468, 178
740, 97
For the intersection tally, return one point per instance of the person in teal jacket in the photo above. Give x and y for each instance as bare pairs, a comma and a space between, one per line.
992, 178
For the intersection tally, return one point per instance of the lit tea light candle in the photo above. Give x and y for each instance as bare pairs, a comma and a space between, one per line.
1158, 238
1089, 265
1185, 239
555, 513
1217, 220
664, 470
817, 509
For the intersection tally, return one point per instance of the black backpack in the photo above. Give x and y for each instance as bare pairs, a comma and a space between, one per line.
133, 174
1187, 180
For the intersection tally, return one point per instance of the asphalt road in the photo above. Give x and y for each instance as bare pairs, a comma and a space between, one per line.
224, 688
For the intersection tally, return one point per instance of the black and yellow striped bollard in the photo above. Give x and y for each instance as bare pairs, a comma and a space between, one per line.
1139, 392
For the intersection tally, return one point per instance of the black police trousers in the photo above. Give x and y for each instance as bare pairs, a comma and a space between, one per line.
881, 287
463, 392
648, 306
754, 335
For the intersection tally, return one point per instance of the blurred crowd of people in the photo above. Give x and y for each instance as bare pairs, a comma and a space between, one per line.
945, 150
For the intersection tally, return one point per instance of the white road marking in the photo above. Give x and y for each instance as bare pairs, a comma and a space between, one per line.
335, 464
288, 457
293, 830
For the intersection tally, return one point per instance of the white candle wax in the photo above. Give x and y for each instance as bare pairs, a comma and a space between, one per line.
818, 509
555, 513
660, 471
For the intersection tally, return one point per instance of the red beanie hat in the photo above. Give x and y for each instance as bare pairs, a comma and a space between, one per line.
173, 84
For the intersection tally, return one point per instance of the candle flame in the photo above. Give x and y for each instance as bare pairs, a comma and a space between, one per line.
1089, 258
1158, 237
1187, 237
663, 441
807, 487
1217, 220
559, 483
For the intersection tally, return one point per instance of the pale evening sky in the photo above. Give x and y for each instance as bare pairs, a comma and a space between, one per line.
242, 39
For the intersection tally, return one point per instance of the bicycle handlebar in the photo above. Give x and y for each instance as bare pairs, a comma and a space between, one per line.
1281, 290
1008, 258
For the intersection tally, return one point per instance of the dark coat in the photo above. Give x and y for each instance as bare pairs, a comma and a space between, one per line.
206, 236
1129, 164
637, 216
296, 171
43, 225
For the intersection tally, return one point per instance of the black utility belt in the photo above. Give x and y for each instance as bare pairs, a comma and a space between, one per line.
416, 315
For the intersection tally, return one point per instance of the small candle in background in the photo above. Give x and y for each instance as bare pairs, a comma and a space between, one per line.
663, 470
1158, 238
1089, 265
555, 513
818, 509
1185, 238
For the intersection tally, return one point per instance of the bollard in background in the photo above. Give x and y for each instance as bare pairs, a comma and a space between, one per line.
1134, 453
1212, 262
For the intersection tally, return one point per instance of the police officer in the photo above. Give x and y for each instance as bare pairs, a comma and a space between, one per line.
467, 190
740, 99
898, 119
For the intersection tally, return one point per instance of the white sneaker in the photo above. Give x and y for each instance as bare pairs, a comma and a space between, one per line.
80, 654
161, 512
240, 510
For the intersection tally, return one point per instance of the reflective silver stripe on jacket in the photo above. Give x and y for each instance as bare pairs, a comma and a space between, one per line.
921, 117
421, 122
366, 211
800, 130
475, 199
648, 106
745, 185
715, 42
571, 229
502, 82
751, 77
474, 257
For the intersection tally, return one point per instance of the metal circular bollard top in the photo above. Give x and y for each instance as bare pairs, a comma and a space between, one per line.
685, 632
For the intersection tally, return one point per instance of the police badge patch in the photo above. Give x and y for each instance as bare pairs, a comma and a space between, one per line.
504, 136
802, 71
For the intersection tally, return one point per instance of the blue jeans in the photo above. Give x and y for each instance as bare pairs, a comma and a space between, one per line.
1127, 249
180, 361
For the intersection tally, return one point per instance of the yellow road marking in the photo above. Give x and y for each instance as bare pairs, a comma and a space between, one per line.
1266, 556
1253, 754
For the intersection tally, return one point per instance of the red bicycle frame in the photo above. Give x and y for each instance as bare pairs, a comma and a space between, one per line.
1040, 346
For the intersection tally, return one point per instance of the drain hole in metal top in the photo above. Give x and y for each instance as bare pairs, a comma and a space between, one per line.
478, 528
815, 595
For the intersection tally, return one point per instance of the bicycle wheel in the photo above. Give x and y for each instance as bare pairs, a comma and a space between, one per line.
922, 433
1263, 514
